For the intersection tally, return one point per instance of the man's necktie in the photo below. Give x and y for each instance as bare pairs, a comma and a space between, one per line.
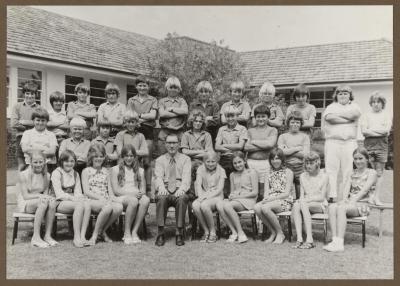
172, 176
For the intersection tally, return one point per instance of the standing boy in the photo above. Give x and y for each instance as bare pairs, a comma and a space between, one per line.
81, 108
236, 90
112, 111
104, 129
21, 117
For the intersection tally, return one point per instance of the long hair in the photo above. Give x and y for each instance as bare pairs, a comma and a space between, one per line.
363, 152
64, 156
242, 156
311, 157
192, 117
46, 182
135, 165
277, 152
95, 150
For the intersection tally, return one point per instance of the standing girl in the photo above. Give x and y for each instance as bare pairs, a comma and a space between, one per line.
295, 144
96, 186
67, 188
277, 198
34, 198
353, 204
243, 196
129, 185
313, 187
209, 186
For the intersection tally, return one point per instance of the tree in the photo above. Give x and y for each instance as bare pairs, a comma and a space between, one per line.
192, 61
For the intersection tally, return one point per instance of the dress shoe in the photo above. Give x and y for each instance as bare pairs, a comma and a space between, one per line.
160, 241
179, 240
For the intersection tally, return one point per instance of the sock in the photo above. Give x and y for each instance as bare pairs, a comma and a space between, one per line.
339, 241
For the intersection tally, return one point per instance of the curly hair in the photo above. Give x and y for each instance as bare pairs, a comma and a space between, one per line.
192, 117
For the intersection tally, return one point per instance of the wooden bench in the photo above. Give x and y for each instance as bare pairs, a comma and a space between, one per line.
252, 215
381, 210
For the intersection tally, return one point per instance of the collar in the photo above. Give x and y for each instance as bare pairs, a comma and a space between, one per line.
201, 132
99, 138
82, 104
63, 112
239, 103
169, 157
234, 128
33, 105
177, 99
39, 132
74, 141
114, 105
208, 103
137, 98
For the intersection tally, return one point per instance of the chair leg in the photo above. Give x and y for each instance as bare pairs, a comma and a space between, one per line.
363, 233
144, 228
254, 222
194, 227
55, 228
289, 221
15, 229
325, 230
218, 225
121, 225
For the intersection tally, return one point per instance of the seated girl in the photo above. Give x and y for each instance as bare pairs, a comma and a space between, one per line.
129, 186
196, 142
209, 188
34, 198
277, 195
67, 188
96, 186
356, 191
243, 196
313, 187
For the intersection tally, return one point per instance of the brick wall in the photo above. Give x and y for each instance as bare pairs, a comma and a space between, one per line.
11, 147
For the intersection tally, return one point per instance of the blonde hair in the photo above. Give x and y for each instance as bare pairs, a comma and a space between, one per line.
173, 81
376, 96
311, 157
266, 86
231, 110
211, 154
204, 85
46, 182
236, 85
129, 115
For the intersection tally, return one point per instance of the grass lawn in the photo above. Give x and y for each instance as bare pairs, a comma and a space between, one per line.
195, 260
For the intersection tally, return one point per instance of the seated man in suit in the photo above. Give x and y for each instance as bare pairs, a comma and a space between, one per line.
172, 182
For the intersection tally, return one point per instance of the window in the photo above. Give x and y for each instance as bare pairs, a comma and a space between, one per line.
70, 83
25, 75
131, 91
97, 95
321, 99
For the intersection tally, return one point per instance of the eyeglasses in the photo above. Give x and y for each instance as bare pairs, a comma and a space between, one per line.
171, 142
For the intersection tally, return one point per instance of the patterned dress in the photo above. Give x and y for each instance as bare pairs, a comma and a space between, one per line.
277, 185
357, 183
98, 182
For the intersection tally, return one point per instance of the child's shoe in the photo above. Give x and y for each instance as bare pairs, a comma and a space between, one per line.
204, 238
298, 244
212, 238
242, 238
232, 238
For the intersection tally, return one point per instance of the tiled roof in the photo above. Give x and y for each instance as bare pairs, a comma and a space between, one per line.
351, 61
36, 32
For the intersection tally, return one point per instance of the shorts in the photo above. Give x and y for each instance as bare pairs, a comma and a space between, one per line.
262, 168
147, 131
377, 148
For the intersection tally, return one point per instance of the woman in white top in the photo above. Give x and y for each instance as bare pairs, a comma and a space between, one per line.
66, 184
129, 185
34, 198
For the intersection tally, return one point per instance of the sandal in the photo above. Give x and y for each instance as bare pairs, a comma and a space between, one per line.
307, 245
204, 238
212, 238
136, 240
298, 244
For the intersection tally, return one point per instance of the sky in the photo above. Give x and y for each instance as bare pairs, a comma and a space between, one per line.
245, 28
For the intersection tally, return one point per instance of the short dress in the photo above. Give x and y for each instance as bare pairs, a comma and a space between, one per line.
130, 184
242, 185
36, 187
98, 181
312, 186
67, 189
357, 183
277, 185
209, 181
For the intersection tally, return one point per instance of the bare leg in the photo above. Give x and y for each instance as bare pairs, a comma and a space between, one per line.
38, 207
379, 167
50, 216
231, 209
269, 210
200, 216
87, 210
264, 219
332, 218
104, 214
141, 212
116, 212
207, 210
305, 209
130, 213
298, 221
221, 210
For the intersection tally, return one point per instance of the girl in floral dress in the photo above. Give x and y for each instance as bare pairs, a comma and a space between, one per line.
277, 195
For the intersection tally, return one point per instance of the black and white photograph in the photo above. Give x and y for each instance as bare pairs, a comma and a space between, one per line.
199, 142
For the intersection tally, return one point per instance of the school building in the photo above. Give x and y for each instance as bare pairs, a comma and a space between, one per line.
59, 52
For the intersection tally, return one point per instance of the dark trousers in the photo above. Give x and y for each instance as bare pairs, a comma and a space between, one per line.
164, 202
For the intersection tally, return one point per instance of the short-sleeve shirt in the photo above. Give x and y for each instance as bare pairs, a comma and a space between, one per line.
107, 143
177, 122
33, 138
22, 111
306, 112
232, 136
275, 111
346, 131
80, 148
137, 140
74, 106
210, 109
141, 106
113, 112
192, 142
209, 181
242, 106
